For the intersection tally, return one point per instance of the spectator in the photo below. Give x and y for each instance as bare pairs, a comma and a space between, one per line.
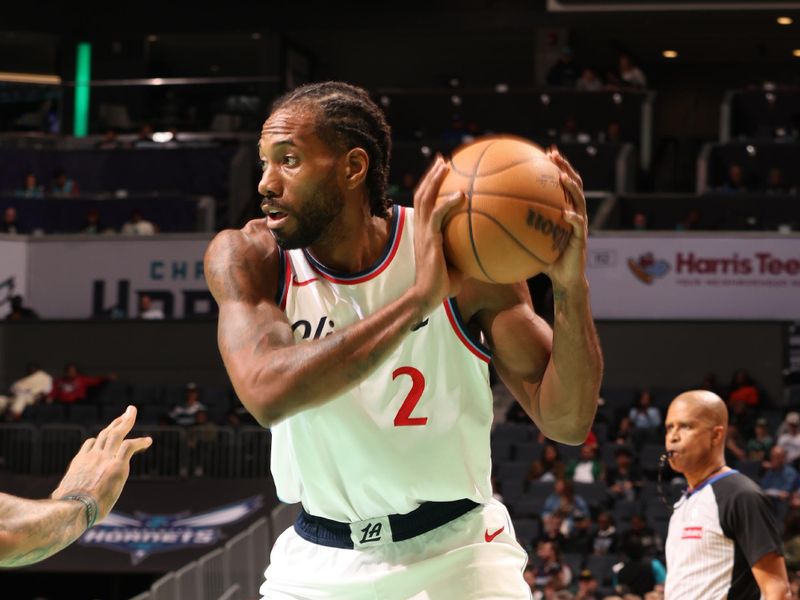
73, 386
640, 221
92, 225
138, 225
554, 528
644, 415
605, 535
31, 188
589, 81
238, 415
580, 539
758, 448
549, 467
62, 185
144, 137
110, 141
743, 389
564, 73
20, 312
734, 182
624, 479
791, 541
586, 468
734, 445
640, 531
624, 432
629, 74
741, 417
789, 440
776, 184
10, 223
638, 574
25, 392
551, 572
587, 586
146, 309
565, 500
779, 479
186, 414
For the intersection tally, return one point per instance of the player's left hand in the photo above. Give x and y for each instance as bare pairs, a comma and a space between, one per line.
570, 268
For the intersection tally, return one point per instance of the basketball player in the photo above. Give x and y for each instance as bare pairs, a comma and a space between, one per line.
32, 530
723, 539
344, 332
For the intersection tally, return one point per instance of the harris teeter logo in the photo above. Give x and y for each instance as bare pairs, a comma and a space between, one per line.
647, 268
143, 534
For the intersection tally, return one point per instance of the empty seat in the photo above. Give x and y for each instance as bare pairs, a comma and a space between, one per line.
143, 393
526, 529
528, 451
512, 432
601, 566
513, 470
501, 450
595, 494
83, 414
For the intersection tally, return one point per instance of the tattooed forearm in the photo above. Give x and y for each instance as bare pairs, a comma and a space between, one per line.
32, 530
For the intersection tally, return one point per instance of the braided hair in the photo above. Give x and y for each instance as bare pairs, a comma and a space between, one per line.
348, 118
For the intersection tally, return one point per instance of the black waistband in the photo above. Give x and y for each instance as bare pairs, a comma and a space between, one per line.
424, 518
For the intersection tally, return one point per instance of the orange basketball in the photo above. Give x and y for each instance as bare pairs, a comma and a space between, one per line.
511, 225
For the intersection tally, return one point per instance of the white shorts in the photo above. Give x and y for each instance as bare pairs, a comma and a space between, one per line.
465, 559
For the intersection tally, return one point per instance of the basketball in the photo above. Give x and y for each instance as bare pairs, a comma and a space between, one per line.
510, 226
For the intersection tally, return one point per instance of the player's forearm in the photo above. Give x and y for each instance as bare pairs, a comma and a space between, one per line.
776, 590
567, 397
32, 530
298, 376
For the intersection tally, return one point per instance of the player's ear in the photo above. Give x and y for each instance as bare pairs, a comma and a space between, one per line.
356, 166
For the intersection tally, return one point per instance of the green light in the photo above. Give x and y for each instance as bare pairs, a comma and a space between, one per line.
83, 75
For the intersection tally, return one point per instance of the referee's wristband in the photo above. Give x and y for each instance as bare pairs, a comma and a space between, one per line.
89, 504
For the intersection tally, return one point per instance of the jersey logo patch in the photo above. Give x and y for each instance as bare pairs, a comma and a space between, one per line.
692, 533
490, 536
372, 533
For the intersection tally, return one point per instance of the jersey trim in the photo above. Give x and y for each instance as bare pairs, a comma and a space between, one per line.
711, 480
474, 346
284, 278
398, 220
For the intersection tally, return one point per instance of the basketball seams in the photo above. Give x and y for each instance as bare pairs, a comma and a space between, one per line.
469, 210
510, 235
497, 172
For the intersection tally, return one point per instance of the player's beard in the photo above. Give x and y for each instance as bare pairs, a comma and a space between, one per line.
315, 218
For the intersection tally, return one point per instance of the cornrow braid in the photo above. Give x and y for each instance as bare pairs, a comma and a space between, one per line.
349, 119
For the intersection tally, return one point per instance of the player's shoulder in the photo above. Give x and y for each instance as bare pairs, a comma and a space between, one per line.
250, 255
251, 241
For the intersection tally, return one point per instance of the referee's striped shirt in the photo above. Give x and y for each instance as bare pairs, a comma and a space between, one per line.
716, 534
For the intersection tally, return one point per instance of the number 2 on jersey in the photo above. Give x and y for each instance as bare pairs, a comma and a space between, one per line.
403, 417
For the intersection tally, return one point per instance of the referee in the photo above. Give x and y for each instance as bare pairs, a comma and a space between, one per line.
723, 539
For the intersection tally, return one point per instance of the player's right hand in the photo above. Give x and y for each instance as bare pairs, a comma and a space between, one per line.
435, 279
101, 467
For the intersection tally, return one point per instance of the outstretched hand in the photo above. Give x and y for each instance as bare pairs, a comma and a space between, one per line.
102, 465
570, 268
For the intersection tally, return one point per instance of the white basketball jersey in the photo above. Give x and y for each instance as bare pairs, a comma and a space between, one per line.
415, 430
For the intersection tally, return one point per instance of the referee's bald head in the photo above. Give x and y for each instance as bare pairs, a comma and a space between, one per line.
704, 405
